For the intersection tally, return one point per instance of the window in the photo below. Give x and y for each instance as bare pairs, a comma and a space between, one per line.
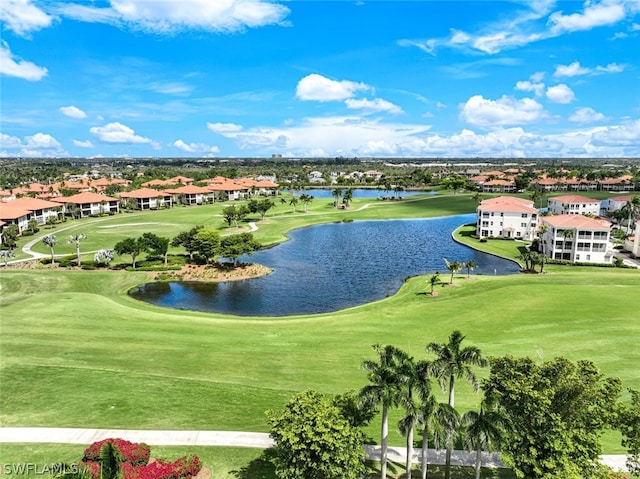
524, 215
523, 225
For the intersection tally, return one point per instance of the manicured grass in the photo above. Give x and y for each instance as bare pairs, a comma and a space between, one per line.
76, 351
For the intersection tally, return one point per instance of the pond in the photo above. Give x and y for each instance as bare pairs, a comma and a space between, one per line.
362, 193
329, 267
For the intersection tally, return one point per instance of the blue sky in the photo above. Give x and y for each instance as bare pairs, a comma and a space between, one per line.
251, 78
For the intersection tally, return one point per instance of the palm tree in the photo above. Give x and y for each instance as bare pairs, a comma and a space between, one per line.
50, 241
411, 406
337, 194
483, 430
76, 239
347, 197
433, 417
433, 281
470, 265
453, 266
453, 362
293, 202
385, 378
631, 211
306, 199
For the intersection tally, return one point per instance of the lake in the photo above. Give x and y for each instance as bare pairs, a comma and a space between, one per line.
329, 267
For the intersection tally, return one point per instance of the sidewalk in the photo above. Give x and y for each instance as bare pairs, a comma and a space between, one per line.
258, 440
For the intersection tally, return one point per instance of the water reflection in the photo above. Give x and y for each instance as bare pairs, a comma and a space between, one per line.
330, 267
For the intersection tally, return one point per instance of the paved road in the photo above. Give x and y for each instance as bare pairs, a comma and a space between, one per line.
233, 439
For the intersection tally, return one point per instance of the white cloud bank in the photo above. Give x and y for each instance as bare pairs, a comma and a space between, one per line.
195, 147
505, 111
162, 16
22, 17
560, 94
15, 67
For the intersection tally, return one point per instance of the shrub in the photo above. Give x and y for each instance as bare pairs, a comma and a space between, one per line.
136, 454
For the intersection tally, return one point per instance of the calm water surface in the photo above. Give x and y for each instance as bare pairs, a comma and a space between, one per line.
330, 267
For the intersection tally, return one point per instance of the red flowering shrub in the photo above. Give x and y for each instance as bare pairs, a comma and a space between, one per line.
134, 462
131, 452
182, 468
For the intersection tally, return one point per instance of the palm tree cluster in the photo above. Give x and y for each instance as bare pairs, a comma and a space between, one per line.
398, 380
457, 266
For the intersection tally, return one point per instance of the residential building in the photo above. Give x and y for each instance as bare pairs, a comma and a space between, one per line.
616, 202
88, 204
41, 210
573, 205
499, 186
576, 238
190, 195
147, 198
10, 215
507, 217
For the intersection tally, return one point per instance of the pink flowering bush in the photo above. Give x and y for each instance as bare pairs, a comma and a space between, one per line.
130, 452
183, 468
132, 462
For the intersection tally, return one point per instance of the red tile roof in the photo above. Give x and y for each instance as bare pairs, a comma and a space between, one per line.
576, 221
84, 198
11, 213
189, 190
32, 204
573, 199
508, 204
143, 193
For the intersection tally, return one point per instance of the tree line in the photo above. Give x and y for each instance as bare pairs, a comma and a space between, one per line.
545, 418
200, 243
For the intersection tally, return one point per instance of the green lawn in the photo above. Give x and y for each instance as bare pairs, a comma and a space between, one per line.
76, 351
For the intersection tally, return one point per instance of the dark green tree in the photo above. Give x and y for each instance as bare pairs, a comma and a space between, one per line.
557, 412
314, 441
10, 235
234, 246
186, 239
629, 425
131, 246
156, 245
207, 243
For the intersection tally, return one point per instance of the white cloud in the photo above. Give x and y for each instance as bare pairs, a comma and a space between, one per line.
560, 94
575, 69
42, 140
73, 112
593, 15
319, 88
83, 144
376, 104
162, 16
504, 111
586, 115
571, 70
117, 133
14, 67
195, 147
223, 128
621, 135
537, 88
22, 17
610, 68
526, 25
8, 141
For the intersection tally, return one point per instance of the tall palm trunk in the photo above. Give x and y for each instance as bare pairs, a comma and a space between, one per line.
424, 458
447, 462
384, 440
478, 459
409, 449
